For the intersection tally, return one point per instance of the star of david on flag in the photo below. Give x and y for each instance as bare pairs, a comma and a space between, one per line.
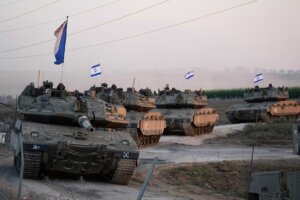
189, 75
95, 71
258, 77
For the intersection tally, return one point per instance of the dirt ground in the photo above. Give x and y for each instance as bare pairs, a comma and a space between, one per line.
227, 178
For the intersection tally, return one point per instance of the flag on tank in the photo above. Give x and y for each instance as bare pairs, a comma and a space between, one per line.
258, 77
60, 44
189, 75
95, 71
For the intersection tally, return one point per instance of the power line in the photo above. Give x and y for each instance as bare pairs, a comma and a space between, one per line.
11, 3
29, 56
87, 29
165, 27
29, 12
119, 18
140, 34
91, 9
58, 19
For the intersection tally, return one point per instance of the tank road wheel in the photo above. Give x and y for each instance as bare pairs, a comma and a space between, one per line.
266, 118
32, 164
231, 118
124, 171
211, 128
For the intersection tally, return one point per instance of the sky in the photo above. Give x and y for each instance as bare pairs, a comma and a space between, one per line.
262, 34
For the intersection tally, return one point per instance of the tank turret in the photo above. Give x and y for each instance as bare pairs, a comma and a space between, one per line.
265, 94
59, 106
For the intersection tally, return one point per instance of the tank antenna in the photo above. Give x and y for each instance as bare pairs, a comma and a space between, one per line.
133, 85
38, 82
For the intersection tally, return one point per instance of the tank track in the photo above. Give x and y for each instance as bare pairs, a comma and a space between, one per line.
32, 164
231, 119
147, 140
124, 171
267, 117
191, 130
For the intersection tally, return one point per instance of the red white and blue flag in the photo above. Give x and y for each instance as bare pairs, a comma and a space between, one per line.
59, 49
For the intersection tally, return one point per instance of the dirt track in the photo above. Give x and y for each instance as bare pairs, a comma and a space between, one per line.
171, 149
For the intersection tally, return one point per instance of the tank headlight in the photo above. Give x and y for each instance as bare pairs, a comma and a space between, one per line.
34, 134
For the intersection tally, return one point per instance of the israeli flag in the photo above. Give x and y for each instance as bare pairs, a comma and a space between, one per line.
189, 75
59, 48
95, 71
258, 77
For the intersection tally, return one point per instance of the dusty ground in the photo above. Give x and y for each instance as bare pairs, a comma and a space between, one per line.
172, 151
221, 105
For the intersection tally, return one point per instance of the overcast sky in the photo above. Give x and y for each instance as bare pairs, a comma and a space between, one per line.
263, 34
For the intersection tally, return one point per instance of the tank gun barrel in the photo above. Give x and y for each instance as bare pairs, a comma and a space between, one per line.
85, 123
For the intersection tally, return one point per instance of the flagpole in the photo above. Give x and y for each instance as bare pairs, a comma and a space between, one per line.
62, 67
62, 72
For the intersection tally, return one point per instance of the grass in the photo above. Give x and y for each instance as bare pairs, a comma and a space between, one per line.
265, 134
229, 178
262, 134
269, 131
202, 172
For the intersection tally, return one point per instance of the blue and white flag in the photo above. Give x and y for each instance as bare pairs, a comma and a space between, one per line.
95, 71
59, 48
258, 77
189, 75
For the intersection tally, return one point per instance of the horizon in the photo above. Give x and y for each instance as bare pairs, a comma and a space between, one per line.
207, 37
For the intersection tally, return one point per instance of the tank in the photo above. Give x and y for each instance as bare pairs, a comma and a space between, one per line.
186, 112
267, 104
58, 134
58, 106
146, 125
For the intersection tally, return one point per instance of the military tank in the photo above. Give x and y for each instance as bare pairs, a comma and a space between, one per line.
56, 135
58, 106
146, 125
186, 112
267, 104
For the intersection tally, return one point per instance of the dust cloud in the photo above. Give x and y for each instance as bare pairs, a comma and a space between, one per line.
12, 82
